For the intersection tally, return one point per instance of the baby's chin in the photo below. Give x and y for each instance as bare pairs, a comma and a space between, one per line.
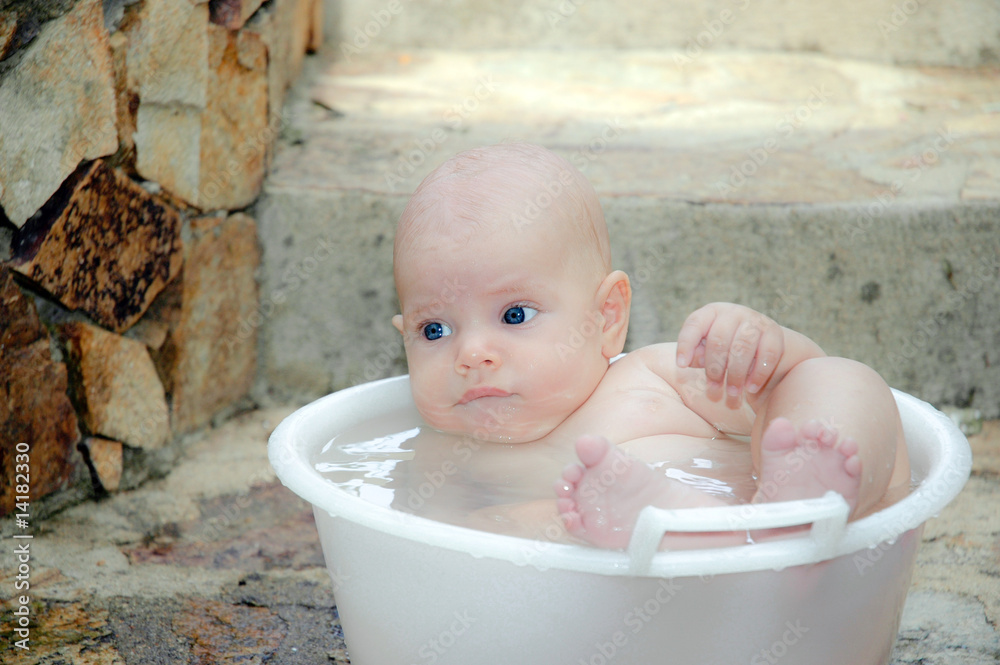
509, 434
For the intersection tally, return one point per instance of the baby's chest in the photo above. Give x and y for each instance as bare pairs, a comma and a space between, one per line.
626, 413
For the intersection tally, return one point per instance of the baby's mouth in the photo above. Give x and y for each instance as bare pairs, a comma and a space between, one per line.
480, 392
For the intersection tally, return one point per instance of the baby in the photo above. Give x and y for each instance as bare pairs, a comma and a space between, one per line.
512, 314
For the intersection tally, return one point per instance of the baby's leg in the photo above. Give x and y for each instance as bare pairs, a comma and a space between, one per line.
831, 424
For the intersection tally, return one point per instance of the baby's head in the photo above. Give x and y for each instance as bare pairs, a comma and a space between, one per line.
510, 309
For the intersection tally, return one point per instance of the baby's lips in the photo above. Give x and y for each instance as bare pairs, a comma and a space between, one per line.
480, 392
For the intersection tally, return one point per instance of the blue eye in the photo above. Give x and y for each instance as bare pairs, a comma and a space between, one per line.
519, 314
435, 330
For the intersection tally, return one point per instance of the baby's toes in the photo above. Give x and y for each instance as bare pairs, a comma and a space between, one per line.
852, 461
817, 432
563, 489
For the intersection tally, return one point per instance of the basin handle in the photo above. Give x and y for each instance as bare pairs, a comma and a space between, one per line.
827, 514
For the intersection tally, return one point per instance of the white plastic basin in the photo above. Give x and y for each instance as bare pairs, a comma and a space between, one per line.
410, 590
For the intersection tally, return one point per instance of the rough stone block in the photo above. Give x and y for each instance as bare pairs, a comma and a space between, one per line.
35, 410
209, 358
208, 145
8, 33
105, 459
315, 40
168, 52
232, 14
168, 61
103, 245
58, 108
126, 100
234, 134
20, 323
286, 27
115, 386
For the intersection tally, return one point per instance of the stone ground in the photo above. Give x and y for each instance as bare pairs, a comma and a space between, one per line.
219, 563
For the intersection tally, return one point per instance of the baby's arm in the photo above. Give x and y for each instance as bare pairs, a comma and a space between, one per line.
727, 361
819, 422
742, 352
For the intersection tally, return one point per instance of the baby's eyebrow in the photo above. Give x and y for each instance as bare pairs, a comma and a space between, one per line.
436, 307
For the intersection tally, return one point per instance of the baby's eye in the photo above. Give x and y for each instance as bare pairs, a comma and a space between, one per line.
435, 330
519, 314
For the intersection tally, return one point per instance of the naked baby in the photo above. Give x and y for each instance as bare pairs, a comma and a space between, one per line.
520, 352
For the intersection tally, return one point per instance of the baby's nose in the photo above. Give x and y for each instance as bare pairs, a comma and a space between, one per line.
477, 353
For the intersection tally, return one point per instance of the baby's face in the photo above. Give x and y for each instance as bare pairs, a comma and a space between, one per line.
502, 331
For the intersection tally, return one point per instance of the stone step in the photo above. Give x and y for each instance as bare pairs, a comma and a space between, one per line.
855, 202
960, 33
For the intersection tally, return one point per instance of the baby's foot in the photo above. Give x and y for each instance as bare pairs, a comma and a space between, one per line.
806, 463
600, 500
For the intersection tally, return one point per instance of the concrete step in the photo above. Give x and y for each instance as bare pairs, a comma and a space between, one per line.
962, 33
857, 203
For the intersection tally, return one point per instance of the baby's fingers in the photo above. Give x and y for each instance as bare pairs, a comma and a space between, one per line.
769, 352
690, 346
742, 352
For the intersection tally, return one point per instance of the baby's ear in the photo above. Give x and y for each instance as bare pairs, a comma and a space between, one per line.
397, 322
615, 296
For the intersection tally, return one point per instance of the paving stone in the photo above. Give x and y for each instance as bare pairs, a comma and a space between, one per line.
944, 629
66, 632
143, 629
314, 636
116, 387
220, 632
208, 360
232, 14
64, 80
268, 590
34, 409
264, 529
104, 457
103, 245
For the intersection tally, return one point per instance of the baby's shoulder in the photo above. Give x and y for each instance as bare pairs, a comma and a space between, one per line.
648, 364
654, 357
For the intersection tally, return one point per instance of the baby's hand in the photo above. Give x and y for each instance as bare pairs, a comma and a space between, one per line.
731, 342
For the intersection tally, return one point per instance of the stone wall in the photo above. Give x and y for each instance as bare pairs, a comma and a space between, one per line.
133, 133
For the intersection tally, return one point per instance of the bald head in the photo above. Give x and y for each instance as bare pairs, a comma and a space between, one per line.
511, 188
